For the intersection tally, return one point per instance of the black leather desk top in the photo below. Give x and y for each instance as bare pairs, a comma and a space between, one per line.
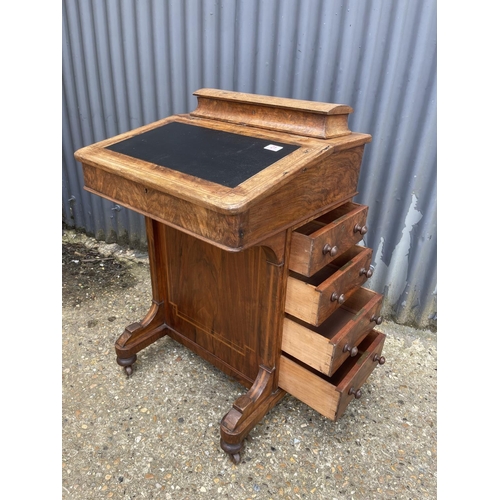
221, 157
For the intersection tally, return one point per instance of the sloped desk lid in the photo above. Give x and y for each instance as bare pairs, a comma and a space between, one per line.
242, 187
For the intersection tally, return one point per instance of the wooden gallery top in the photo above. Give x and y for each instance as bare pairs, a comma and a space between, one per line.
223, 188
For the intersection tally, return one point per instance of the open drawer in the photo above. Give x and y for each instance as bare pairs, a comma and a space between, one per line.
319, 241
313, 299
331, 395
327, 346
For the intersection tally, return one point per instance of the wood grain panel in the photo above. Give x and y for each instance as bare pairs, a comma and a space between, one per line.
306, 118
220, 299
309, 388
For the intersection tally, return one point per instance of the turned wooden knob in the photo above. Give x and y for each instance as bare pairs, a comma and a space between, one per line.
367, 272
352, 349
379, 359
329, 249
336, 297
361, 229
357, 393
377, 319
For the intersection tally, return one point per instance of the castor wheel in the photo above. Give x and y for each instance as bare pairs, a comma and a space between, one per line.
233, 450
127, 364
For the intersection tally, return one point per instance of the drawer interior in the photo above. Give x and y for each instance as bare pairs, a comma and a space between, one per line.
316, 225
324, 273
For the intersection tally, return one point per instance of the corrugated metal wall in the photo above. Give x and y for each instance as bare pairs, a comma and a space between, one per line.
129, 62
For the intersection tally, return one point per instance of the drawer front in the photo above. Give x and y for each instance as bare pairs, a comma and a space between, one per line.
369, 357
318, 242
327, 346
330, 395
313, 299
367, 305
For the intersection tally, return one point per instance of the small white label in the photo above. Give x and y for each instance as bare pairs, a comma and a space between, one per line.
273, 147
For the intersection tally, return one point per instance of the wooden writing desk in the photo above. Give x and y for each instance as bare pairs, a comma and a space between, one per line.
252, 242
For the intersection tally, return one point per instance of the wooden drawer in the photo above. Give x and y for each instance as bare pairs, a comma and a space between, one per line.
327, 346
318, 242
331, 395
313, 299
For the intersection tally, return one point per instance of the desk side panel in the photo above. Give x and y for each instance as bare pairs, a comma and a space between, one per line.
218, 300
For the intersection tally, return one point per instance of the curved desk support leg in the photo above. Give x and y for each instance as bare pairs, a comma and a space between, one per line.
137, 336
264, 394
247, 411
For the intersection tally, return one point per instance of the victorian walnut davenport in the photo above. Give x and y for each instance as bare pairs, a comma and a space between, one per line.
253, 246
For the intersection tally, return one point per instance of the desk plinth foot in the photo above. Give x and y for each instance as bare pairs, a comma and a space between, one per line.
247, 411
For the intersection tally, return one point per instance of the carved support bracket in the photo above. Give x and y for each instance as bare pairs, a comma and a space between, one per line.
247, 411
137, 336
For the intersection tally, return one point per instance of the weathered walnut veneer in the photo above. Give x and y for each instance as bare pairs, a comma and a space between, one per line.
252, 238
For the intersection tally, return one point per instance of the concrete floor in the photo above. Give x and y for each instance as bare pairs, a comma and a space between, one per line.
156, 434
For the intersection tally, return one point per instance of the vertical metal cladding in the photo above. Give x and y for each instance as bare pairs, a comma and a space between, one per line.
129, 62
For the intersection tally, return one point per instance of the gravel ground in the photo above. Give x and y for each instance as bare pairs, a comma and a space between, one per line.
156, 434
